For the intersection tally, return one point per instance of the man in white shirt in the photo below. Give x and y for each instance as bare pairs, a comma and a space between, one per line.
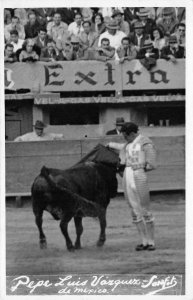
113, 34
15, 41
38, 134
57, 28
14, 25
75, 28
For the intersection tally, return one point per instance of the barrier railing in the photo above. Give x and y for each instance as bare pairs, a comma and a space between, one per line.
94, 76
24, 161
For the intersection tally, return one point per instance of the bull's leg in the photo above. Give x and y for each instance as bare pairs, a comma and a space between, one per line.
103, 224
79, 231
39, 221
64, 228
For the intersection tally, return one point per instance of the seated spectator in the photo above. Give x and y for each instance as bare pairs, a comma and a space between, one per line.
168, 22
88, 38
138, 37
77, 50
148, 23
148, 55
14, 25
98, 24
51, 53
28, 54
32, 26
56, 29
9, 55
181, 34
38, 134
126, 51
41, 40
173, 50
122, 25
15, 41
113, 34
67, 50
21, 13
75, 28
157, 37
105, 51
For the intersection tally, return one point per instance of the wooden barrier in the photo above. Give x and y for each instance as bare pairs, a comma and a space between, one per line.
24, 161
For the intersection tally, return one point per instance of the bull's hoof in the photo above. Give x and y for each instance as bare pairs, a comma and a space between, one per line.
77, 246
100, 243
71, 248
43, 244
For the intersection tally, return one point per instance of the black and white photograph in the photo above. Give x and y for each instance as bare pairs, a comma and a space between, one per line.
94, 132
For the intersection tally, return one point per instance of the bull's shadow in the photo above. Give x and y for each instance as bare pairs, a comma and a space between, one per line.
82, 190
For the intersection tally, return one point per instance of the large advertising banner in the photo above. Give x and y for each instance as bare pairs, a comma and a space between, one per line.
94, 76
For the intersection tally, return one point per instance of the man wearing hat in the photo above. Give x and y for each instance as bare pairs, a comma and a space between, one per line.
173, 50
38, 134
139, 156
143, 15
168, 21
119, 123
113, 34
77, 50
148, 55
138, 37
123, 25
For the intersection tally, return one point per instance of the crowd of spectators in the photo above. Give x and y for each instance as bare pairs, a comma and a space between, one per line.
119, 33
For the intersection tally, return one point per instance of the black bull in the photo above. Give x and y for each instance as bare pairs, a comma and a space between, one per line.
82, 190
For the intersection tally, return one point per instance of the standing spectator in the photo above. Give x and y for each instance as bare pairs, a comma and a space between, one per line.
139, 156
7, 16
168, 22
88, 38
51, 53
75, 28
117, 130
126, 51
157, 37
148, 55
87, 13
113, 34
145, 20
68, 13
44, 15
130, 15
56, 29
14, 25
21, 13
105, 51
181, 34
98, 24
38, 134
173, 50
32, 26
106, 13
15, 41
9, 55
28, 54
138, 37
123, 25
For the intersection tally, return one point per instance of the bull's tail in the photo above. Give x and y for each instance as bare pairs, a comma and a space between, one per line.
88, 208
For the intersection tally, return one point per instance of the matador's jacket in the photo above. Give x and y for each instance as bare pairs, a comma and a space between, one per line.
138, 157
